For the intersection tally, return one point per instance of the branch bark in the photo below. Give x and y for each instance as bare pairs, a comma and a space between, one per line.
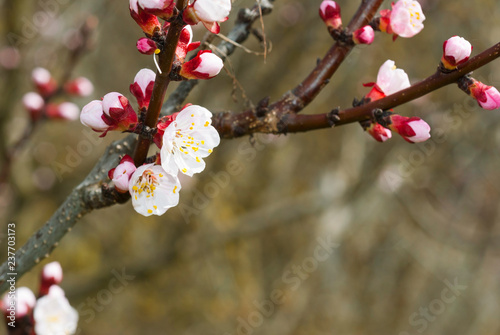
235, 125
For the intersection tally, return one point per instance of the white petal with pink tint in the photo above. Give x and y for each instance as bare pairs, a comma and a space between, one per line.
407, 18
421, 129
458, 48
391, 79
212, 10
122, 174
210, 64
54, 315
143, 78
111, 100
40, 75
33, 101
134, 6
52, 271
91, 116
188, 140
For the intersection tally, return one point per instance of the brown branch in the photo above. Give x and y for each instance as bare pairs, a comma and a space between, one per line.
166, 58
232, 125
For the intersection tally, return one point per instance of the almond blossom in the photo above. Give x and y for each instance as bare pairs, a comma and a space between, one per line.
205, 65
412, 129
122, 173
153, 190
142, 87
364, 35
407, 18
208, 12
456, 50
329, 11
92, 116
487, 97
148, 22
118, 113
187, 140
390, 80
54, 315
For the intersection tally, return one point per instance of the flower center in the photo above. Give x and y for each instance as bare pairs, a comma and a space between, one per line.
146, 183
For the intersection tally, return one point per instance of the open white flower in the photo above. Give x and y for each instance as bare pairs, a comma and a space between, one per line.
54, 315
153, 190
187, 140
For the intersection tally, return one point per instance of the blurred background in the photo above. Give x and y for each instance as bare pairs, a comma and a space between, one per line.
325, 232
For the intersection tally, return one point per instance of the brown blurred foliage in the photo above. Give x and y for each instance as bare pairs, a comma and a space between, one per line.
407, 220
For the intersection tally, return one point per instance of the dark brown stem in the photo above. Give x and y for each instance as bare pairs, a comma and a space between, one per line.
234, 125
308, 89
165, 60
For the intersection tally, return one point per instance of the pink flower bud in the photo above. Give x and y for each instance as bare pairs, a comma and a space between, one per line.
487, 97
122, 173
407, 18
43, 81
364, 35
24, 304
80, 86
33, 102
52, 274
412, 129
456, 50
142, 88
208, 12
161, 8
149, 23
205, 65
378, 132
92, 116
146, 46
329, 11
117, 112
63, 111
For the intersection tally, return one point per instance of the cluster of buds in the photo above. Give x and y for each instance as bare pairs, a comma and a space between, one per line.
405, 19
390, 80
50, 314
147, 14
456, 51
329, 11
38, 103
184, 139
